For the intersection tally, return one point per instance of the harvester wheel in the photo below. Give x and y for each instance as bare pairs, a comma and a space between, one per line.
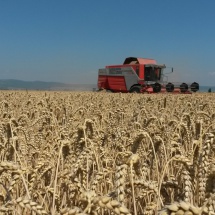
184, 87
194, 87
156, 88
135, 89
170, 87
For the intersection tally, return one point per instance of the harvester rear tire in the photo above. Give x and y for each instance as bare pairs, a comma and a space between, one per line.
135, 89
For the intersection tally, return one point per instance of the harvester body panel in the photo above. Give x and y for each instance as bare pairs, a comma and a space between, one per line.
117, 79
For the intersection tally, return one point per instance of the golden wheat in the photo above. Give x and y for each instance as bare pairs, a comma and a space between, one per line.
99, 153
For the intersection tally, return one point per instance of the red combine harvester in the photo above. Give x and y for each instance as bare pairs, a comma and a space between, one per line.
140, 75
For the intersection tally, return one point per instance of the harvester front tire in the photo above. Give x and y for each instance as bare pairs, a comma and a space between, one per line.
156, 88
135, 89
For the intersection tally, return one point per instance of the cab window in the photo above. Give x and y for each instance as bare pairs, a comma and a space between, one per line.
152, 74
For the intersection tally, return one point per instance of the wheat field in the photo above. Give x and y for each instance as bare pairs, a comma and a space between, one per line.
76, 153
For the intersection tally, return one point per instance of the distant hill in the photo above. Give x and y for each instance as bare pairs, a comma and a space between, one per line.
13, 84
206, 88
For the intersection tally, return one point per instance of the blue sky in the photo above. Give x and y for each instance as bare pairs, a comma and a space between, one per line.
68, 41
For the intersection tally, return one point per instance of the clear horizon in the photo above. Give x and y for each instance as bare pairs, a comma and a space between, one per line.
67, 41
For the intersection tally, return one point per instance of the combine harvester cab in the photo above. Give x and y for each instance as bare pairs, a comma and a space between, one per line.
140, 75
